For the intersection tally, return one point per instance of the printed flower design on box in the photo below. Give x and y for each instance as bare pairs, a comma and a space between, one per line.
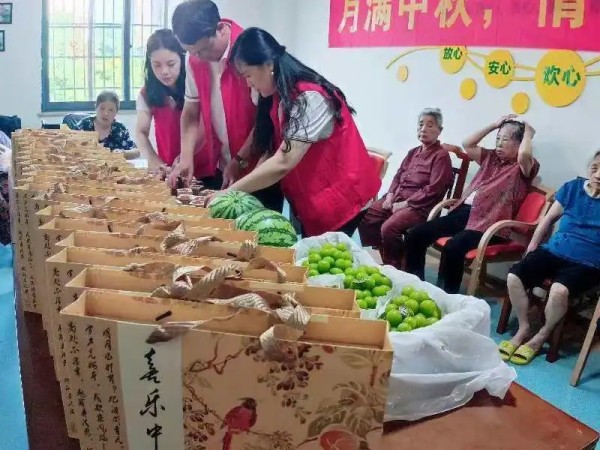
342, 421
290, 377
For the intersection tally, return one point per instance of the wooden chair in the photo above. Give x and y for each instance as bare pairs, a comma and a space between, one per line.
459, 173
533, 208
586, 347
381, 159
556, 336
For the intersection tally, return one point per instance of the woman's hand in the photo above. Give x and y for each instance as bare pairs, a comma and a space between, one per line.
529, 130
399, 205
531, 247
388, 202
231, 173
183, 168
503, 119
209, 198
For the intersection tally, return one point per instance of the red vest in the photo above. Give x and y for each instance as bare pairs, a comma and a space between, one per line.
167, 130
334, 180
240, 112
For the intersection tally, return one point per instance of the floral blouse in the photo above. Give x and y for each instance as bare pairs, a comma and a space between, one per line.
117, 140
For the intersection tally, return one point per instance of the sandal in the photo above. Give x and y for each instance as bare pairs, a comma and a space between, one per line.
524, 355
506, 349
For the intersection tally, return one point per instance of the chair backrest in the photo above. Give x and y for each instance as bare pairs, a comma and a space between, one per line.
381, 158
459, 173
73, 119
8, 124
535, 205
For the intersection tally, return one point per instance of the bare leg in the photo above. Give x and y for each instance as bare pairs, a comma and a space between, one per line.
520, 303
556, 308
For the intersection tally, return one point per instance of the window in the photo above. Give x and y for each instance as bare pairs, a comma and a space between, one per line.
93, 45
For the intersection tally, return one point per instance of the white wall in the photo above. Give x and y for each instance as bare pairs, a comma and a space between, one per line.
21, 64
387, 109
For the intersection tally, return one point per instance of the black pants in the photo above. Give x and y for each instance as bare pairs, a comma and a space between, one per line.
349, 228
542, 264
463, 241
271, 197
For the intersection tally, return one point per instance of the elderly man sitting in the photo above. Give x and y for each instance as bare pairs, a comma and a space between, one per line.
495, 194
421, 182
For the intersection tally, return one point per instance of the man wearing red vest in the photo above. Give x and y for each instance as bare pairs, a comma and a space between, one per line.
219, 109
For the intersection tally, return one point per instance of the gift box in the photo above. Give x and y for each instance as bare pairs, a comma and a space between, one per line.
163, 373
178, 243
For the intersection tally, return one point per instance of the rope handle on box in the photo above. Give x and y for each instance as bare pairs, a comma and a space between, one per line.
292, 317
164, 269
178, 243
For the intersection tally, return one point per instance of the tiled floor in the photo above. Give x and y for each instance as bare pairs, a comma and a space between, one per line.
549, 381
13, 433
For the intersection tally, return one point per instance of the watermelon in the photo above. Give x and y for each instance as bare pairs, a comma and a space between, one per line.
273, 229
232, 205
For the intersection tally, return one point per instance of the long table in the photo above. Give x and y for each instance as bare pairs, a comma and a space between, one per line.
520, 421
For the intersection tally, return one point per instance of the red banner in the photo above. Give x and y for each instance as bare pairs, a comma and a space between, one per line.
547, 24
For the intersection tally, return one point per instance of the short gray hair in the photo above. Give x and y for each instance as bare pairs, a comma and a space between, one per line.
108, 96
436, 113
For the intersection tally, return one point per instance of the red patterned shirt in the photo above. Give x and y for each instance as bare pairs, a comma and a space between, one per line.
423, 178
501, 188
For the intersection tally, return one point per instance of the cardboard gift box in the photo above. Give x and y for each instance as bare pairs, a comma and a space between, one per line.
29, 198
46, 236
70, 261
163, 373
102, 202
150, 280
181, 244
83, 211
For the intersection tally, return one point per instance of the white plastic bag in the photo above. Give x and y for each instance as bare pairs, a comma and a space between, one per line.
360, 257
437, 368
441, 367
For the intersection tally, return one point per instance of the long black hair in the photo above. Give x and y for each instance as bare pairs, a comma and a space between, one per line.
256, 47
156, 92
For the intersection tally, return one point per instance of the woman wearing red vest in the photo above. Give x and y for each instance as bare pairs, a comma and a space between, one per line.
161, 100
219, 111
306, 137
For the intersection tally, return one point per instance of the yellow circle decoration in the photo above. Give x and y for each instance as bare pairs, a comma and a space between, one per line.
560, 77
468, 88
520, 103
402, 74
453, 59
499, 68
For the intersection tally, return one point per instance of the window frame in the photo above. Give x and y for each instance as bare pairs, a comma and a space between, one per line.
127, 103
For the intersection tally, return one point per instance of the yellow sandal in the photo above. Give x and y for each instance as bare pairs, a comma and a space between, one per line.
523, 355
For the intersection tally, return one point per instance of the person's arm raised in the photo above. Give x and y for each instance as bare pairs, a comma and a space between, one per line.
525, 157
471, 143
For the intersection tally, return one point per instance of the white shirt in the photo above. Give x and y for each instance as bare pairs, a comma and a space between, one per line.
317, 122
470, 198
218, 119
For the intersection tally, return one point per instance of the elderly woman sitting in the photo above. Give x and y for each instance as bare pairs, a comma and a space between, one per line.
571, 259
421, 182
495, 194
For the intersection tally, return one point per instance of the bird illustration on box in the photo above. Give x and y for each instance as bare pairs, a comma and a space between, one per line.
239, 420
